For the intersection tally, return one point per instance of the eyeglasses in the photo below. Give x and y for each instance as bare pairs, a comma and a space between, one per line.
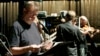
34, 12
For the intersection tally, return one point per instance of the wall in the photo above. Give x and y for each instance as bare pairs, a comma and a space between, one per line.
8, 14
90, 8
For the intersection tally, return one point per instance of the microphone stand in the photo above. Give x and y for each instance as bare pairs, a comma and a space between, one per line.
10, 54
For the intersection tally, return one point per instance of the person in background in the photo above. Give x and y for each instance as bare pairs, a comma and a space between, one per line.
86, 28
74, 22
89, 32
68, 33
25, 39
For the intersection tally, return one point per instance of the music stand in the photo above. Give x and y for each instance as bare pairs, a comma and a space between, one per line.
5, 47
3, 44
59, 46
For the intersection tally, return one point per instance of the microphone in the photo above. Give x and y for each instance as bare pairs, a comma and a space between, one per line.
44, 28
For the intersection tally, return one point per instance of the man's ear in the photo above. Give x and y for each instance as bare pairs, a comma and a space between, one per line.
24, 10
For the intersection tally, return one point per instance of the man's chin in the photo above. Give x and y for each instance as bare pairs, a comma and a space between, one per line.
30, 22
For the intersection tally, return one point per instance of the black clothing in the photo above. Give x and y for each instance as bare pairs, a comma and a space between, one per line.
66, 32
23, 34
92, 47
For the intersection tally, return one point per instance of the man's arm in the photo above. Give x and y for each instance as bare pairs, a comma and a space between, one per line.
14, 41
22, 50
19, 50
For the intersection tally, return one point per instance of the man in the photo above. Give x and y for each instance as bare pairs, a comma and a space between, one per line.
25, 39
71, 35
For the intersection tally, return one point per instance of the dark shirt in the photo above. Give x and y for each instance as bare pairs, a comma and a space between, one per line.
23, 34
66, 32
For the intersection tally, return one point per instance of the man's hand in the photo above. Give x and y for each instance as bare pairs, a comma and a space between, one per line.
35, 48
47, 45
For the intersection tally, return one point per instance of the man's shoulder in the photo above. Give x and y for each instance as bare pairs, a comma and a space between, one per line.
61, 25
16, 24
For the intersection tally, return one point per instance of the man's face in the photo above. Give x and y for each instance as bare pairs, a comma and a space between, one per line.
83, 22
31, 12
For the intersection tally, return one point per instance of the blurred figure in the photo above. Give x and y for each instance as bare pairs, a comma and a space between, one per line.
86, 28
67, 33
89, 32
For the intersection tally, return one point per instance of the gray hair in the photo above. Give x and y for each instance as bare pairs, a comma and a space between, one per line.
29, 3
70, 15
84, 18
